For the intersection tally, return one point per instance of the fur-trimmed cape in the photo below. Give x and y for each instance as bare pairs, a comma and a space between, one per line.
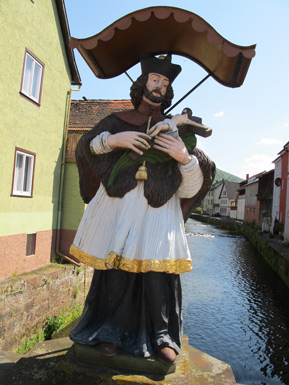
163, 178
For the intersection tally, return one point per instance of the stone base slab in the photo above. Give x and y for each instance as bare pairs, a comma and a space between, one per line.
84, 364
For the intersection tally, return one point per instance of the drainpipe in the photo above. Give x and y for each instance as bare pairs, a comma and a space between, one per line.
60, 196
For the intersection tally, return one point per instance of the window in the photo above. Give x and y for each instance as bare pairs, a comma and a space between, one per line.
23, 173
30, 244
32, 77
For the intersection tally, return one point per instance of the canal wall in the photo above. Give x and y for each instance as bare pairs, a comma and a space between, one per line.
27, 300
272, 250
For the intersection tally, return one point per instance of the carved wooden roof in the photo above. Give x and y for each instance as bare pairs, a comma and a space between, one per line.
160, 30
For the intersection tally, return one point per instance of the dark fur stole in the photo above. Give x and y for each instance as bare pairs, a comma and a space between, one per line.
163, 179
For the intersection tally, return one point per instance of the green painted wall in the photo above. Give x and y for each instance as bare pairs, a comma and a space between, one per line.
34, 26
73, 205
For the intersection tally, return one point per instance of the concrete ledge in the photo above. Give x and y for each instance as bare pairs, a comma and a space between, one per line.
207, 370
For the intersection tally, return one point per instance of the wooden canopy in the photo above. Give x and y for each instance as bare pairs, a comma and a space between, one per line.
160, 30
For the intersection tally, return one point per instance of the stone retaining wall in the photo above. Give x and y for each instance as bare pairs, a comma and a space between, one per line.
28, 299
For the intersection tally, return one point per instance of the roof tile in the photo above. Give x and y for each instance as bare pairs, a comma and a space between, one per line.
85, 114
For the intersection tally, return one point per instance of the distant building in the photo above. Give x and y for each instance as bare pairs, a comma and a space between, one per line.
216, 197
252, 204
240, 202
280, 209
207, 204
265, 197
227, 197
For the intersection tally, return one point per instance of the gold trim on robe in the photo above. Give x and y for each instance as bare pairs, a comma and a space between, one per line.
115, 261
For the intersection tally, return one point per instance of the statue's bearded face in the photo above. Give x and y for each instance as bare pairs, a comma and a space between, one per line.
156, 88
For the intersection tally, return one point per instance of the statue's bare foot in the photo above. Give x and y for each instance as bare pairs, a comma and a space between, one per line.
167, 355
107, 349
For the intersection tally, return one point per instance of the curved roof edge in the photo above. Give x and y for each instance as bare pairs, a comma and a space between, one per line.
160, 30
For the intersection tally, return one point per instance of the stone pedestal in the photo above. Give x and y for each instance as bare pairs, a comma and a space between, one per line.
85, 365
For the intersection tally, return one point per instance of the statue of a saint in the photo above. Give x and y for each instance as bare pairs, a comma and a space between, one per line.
132, 232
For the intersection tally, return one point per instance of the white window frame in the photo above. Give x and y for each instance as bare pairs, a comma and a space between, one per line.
32, 77
23, 175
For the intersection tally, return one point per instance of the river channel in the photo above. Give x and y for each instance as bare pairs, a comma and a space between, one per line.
235, 307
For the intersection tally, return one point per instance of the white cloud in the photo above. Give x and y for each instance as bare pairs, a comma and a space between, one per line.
219, 114
256, 164
268, 141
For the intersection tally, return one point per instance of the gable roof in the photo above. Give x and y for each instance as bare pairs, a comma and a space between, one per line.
75, 77
85, 114
251, 179
231, 188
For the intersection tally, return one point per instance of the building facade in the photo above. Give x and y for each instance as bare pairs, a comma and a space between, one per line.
227, 197
37, 70
216, 197
280, 207
207, 204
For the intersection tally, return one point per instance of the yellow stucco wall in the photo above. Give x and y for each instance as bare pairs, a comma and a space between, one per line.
34, 26
73, 205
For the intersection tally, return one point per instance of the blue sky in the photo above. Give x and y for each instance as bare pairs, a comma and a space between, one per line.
251, 123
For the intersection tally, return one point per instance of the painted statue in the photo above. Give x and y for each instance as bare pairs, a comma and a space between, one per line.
141, 179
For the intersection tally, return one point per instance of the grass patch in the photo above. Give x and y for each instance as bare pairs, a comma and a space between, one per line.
31, 342
53, 324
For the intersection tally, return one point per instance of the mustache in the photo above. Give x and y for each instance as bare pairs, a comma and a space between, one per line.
157, 91
154, 98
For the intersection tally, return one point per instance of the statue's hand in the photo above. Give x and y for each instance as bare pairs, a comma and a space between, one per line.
166, 125
134, 140
174, 147
157, 128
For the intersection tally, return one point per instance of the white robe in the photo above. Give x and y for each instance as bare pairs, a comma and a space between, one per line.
128, 234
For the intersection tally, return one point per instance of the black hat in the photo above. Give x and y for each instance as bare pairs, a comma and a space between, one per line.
160, 65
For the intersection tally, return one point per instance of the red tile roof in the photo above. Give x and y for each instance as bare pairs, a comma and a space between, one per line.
84, 114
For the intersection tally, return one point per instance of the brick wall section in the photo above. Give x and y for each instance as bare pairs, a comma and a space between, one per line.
13, 258
28, 299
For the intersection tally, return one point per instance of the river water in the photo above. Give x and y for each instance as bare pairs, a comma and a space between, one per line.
235, 307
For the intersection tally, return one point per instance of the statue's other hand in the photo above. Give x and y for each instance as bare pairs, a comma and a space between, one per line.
134, 140
157, 128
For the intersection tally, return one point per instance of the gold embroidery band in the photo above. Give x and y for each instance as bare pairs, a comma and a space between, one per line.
115, 261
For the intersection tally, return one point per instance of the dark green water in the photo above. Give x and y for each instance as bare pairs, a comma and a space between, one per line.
235, 307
